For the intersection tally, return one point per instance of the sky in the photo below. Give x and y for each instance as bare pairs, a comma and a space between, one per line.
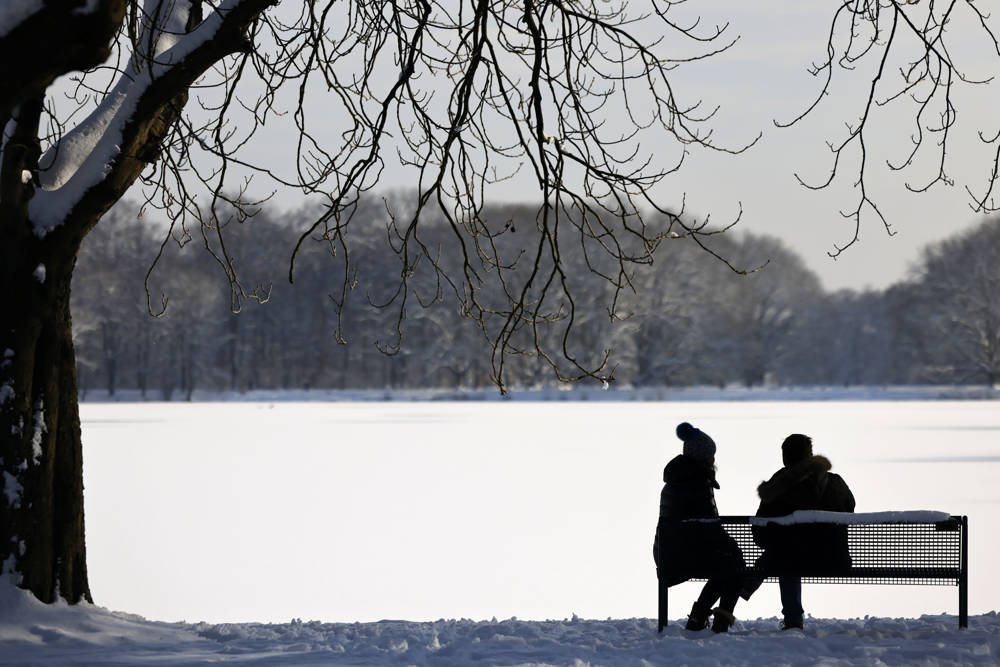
764, 78
778, 43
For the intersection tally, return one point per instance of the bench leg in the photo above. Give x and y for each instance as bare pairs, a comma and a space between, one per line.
963, 604
661, 613
963, 578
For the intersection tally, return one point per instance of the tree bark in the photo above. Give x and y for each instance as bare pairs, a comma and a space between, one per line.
41, 468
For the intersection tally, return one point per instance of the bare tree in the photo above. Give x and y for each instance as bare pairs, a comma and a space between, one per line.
918, 58
566, 95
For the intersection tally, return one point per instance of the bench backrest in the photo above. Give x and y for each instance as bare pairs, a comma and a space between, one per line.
881, 552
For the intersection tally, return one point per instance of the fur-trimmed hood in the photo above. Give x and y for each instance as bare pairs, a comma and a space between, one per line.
788, 477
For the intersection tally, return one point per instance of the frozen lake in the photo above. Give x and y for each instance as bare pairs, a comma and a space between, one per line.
420, 511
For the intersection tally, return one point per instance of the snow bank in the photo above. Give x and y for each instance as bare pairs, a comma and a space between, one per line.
35, 634
32, 633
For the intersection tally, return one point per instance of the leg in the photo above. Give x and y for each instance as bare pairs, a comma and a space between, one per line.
723, 617
750, 586
728, 601
710, 594
752, 582
702, 607
730, 560
791, 600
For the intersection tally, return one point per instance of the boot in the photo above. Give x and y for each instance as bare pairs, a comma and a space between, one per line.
791, 624
698, 618
722, 620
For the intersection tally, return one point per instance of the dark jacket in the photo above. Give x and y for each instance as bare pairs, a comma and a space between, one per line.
813, 548
688, 490
689, 493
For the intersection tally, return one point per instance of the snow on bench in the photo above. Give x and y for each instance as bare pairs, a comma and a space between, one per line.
852, 519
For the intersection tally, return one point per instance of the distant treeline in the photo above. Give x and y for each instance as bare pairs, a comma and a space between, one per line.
690, 320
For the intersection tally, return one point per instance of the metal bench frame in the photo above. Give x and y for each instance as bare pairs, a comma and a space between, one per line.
903, 552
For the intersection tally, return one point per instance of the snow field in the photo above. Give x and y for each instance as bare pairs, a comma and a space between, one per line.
365, 511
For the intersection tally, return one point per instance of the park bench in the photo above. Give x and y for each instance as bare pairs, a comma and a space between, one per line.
929, 548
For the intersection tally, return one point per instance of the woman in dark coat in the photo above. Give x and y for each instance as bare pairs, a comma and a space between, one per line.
679, 547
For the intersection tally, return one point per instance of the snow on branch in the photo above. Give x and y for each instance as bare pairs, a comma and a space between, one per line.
86, 155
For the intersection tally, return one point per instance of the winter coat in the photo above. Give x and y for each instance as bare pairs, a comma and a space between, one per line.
689, 493
804, 548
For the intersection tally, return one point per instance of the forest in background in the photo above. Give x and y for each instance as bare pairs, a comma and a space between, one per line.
691, 320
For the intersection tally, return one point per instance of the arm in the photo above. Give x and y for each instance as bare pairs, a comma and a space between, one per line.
840, 497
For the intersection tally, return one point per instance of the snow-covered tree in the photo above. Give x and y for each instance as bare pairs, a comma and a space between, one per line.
762, 310
960, 285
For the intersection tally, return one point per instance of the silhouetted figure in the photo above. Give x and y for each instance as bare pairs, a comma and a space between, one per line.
804, 483
689, 493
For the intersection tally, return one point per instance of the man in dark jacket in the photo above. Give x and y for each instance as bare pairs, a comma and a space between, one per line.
804, 483
682, 547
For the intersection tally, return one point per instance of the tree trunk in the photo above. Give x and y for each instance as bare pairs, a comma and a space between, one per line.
41, 459
110, 346
232, 351
142, 361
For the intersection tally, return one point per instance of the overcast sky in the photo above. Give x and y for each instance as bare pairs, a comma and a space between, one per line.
778, 42
765, 78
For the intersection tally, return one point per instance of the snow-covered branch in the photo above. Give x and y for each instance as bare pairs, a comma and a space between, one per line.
113, 143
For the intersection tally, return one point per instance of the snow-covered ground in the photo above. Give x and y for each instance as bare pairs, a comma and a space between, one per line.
35, 634
364, 511
345, 512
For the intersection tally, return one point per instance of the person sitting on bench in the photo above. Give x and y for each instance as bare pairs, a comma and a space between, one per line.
804, 483
689, 493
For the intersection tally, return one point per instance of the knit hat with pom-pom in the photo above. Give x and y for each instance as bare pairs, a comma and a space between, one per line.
697, 444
